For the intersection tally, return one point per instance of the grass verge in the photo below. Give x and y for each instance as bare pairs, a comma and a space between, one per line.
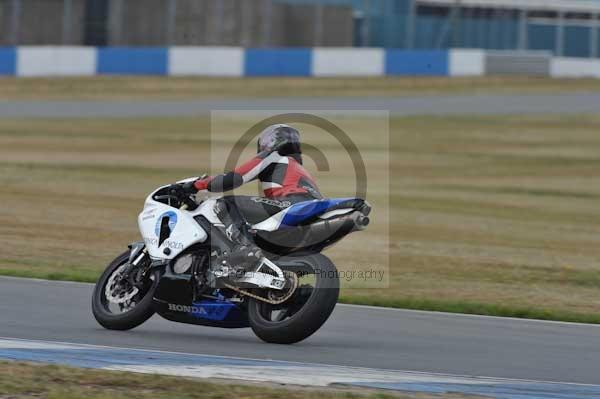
485, 309
170, 88
489, 215
28, 380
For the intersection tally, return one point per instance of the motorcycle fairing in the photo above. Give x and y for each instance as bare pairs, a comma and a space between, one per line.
174, 300
167, 231
212, 309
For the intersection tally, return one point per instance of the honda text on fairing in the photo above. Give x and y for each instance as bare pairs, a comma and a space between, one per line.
178, 270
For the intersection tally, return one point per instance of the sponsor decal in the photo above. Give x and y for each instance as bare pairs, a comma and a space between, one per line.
153, 241
204, 309
199, 310
312, 191
149, 212
272, 202
173, 244
172, 221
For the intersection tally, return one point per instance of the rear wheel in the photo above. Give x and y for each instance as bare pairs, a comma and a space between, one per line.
122, 300
305, 311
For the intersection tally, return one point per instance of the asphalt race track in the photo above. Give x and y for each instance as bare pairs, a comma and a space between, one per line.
408, 105
354, 336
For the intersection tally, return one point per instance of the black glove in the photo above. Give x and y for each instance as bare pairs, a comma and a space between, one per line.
182, 191
189, 187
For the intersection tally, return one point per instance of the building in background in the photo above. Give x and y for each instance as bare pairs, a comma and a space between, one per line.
246, 23
563, 27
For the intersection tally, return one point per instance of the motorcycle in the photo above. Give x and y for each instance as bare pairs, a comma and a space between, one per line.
181, 271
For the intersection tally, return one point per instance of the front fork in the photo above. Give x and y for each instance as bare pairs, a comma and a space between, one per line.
133, 273
137, 251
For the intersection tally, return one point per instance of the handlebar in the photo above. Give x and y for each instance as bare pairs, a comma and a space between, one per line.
180, 194
163, 197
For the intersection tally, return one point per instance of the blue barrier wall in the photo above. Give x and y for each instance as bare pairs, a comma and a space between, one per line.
302, 62
406, 62
8, 61
211, 61
278, 62
132, 61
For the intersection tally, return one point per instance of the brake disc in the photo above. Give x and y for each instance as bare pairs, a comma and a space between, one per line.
114, 292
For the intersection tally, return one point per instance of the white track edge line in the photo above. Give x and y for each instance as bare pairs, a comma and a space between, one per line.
421, 373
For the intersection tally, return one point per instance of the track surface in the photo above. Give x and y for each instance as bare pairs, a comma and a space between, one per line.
354, 336
408, 105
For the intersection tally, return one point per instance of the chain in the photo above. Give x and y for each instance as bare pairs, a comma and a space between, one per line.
251, 295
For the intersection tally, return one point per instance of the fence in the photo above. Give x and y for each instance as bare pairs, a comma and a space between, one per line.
41, 22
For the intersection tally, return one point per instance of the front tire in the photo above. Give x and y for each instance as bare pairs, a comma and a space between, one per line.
130, 318
312, 314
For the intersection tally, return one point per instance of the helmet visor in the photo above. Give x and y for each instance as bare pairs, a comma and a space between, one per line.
275, 136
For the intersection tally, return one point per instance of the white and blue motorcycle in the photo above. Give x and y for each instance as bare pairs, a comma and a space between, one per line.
178, 270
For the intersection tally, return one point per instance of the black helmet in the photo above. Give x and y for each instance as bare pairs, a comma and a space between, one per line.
281, 138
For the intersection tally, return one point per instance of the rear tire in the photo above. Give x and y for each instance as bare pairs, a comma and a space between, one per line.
313, 314
142, 311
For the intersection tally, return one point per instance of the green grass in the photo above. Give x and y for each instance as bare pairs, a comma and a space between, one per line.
27, 380
81, 277
170, 88
488, 215
477, 308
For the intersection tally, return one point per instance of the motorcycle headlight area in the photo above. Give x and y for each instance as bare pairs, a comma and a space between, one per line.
183, 264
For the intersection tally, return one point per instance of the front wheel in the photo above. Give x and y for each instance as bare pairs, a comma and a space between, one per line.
306, 311
120, 300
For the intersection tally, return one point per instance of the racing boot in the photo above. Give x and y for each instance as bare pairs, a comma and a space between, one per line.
244, 254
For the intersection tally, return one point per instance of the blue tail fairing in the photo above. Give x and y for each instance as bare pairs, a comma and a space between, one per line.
303, 211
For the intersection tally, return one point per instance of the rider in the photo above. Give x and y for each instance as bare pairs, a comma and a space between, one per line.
278, 166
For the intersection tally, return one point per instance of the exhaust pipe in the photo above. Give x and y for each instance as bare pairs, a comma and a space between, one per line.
362, 221
353, 222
